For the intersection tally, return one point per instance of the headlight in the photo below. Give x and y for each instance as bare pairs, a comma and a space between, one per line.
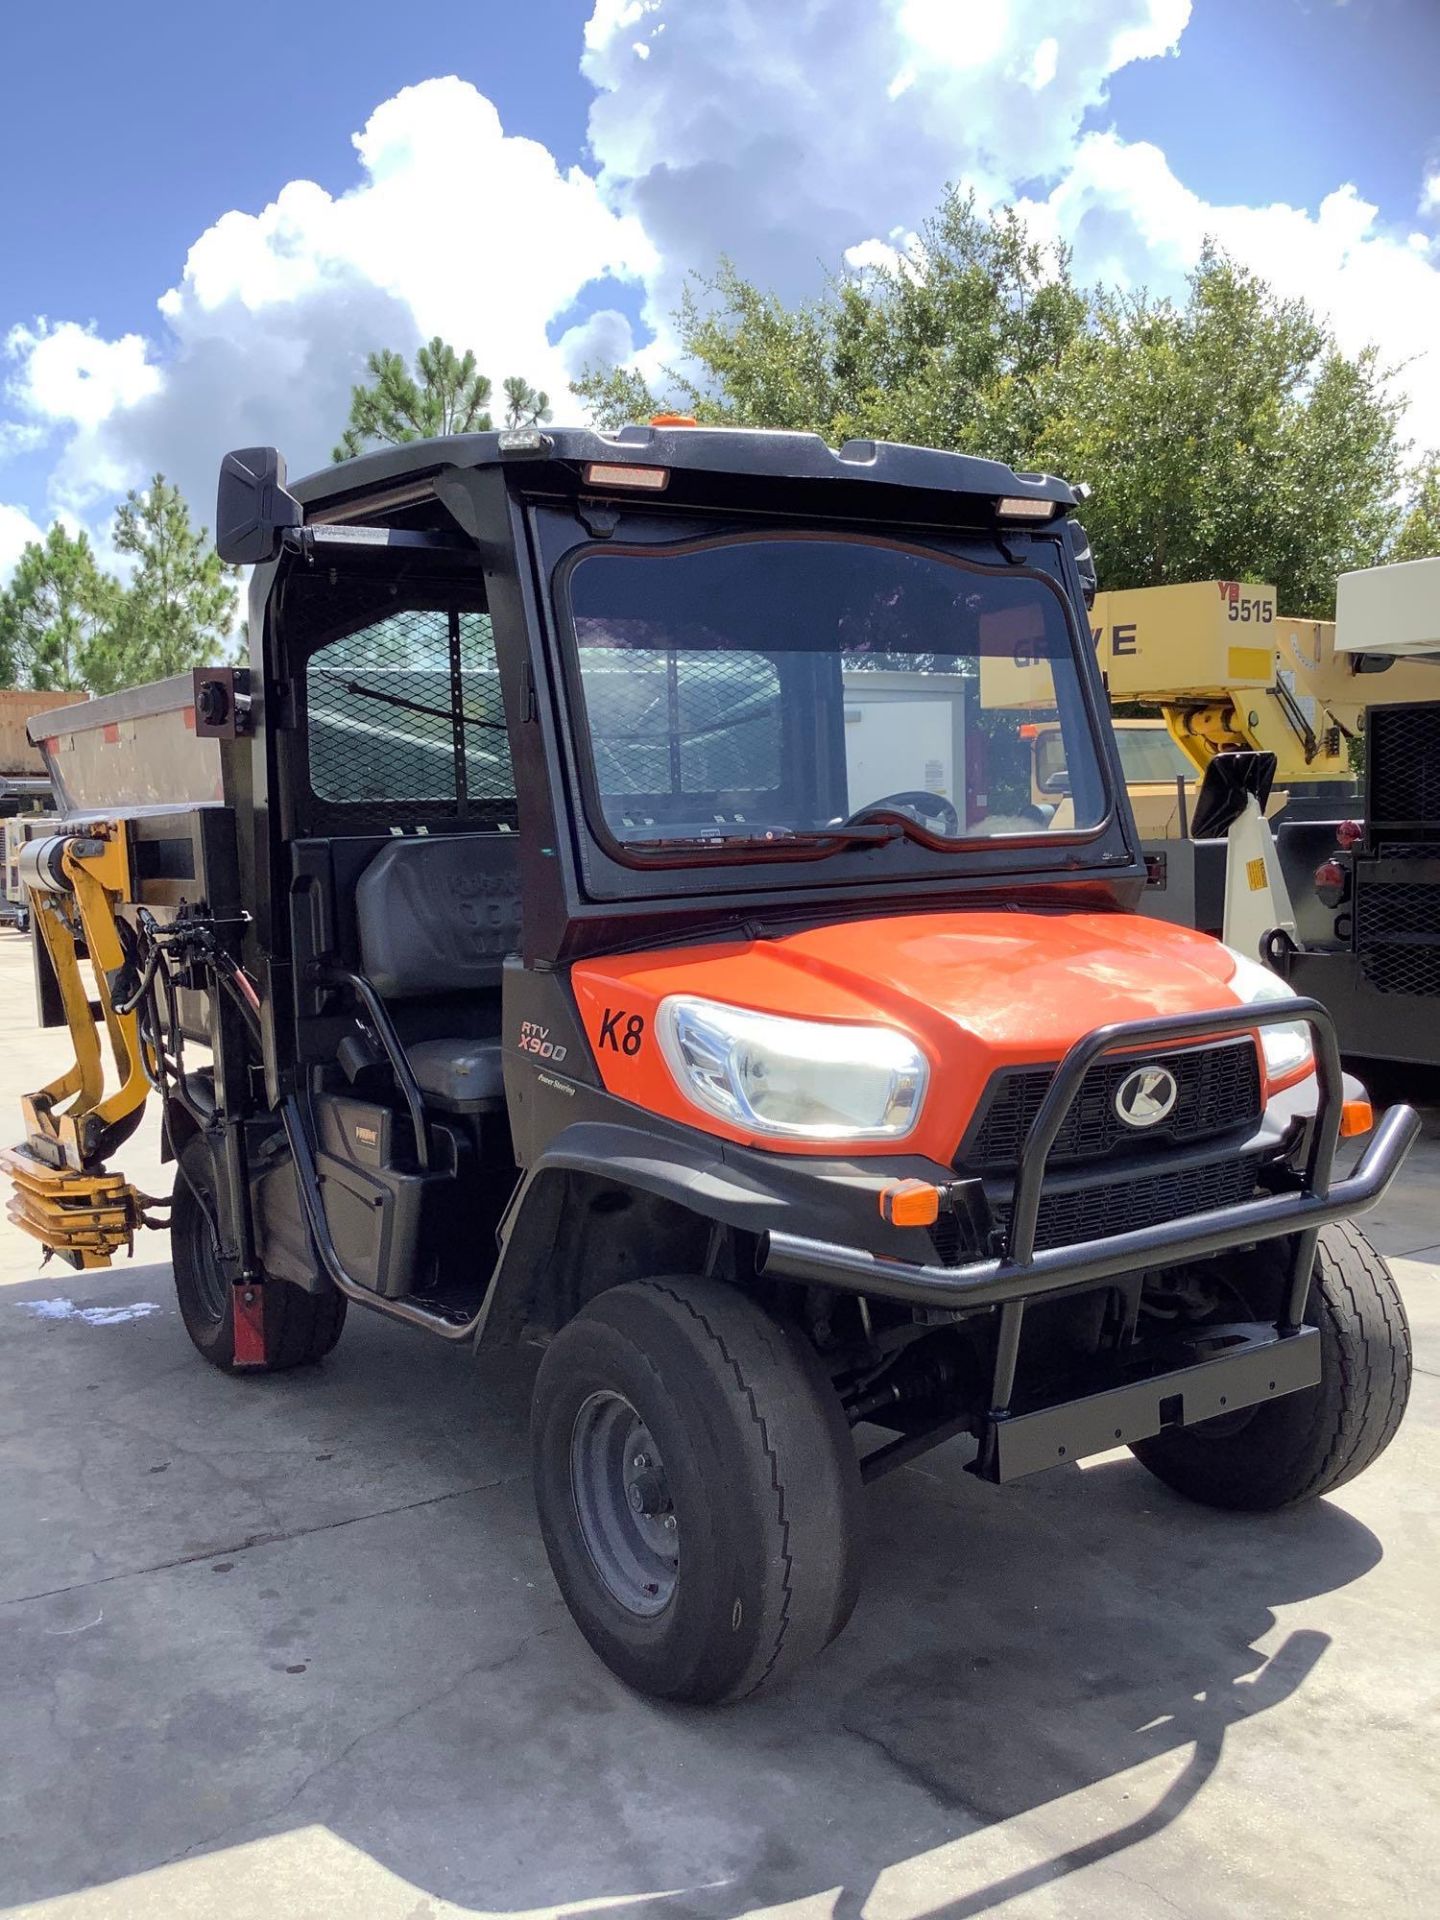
796, 1077
1287, 1046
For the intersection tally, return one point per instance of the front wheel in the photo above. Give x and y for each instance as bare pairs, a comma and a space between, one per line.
300, 1327
1291, 1450
697, 1487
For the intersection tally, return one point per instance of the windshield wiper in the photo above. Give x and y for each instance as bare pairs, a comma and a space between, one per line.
776, 841
416, 706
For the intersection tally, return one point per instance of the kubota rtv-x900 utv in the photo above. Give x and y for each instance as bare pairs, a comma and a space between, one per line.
615, 916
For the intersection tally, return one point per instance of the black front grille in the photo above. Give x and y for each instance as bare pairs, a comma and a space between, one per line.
1219, 1090
1124, 1206
1402, 765
1096, 1209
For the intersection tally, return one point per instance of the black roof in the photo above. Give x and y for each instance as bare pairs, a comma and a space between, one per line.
740, 452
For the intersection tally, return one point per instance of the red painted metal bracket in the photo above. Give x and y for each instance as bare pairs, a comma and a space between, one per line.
249, 1318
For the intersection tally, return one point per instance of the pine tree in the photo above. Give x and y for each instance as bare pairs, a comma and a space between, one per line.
58, 615
445, 394
179, 609
525, 406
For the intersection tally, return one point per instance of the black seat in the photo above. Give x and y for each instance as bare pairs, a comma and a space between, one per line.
463, 1076
437, 916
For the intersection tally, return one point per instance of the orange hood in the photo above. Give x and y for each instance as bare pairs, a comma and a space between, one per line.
976, 990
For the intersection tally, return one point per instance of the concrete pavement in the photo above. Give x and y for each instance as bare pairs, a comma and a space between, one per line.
290, 1648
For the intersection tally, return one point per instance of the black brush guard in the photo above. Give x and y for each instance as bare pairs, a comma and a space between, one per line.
1243, 1365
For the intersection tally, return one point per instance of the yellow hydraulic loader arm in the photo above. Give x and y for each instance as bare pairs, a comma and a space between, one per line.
63, 1194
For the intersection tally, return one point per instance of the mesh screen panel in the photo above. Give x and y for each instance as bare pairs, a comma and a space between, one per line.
1402, 757
1397, 927
405, 717
674, 723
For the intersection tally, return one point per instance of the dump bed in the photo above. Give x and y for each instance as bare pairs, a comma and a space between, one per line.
18, 706
136, 748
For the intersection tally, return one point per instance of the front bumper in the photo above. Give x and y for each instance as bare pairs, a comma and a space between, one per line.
1053, 1269
1261, 1362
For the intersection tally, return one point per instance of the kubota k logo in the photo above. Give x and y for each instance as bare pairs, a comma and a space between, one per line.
1146, 1097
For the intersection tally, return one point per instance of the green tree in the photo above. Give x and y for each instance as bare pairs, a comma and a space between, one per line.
1419, 536
1224, 436
445, 394
179, 609
525, 406
58, 614
953, 343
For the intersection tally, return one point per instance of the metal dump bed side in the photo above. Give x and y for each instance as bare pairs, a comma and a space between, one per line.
136, 748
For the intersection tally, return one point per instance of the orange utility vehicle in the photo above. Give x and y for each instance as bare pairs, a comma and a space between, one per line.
564, 960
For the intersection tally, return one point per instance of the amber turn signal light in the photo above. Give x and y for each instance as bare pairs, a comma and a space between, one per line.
910, 1203
1355, 1117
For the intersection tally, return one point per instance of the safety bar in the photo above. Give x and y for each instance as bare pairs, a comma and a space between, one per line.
394, 1052
1021, 1273
1141, 1035
983, 1283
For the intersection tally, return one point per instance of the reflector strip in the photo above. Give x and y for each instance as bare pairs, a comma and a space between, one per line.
1016, 508
653, 479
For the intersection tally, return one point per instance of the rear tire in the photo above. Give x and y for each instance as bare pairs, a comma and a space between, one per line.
300, 1327
1309, 1443
680, 1400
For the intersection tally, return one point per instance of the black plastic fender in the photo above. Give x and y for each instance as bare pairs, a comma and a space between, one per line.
598, 1165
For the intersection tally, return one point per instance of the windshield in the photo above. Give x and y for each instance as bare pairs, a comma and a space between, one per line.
1150, 753
764, 689
1149, 756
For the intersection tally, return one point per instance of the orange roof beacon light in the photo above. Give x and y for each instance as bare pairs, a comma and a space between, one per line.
672, 420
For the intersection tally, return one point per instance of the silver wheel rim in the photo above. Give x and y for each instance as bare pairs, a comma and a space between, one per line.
622, 1502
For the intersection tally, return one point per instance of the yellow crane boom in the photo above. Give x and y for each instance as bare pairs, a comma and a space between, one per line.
1226, 669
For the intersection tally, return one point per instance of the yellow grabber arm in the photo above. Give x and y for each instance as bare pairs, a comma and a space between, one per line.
63, 1194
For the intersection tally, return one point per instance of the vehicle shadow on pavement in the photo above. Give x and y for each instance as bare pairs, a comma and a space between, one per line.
234, 1608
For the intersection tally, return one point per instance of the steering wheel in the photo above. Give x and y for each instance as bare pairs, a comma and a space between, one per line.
918, 804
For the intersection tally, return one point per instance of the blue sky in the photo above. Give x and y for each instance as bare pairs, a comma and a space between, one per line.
635, 139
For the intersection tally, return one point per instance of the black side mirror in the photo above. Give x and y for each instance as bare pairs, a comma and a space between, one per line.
1084, 561
252, 509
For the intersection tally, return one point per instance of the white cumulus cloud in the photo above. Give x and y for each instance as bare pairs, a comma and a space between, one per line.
784, 134
454, 228
69, 374
792, 138
17, 530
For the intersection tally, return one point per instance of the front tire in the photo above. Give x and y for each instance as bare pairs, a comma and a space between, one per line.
697, 1487
1307, 1444
300, 1327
